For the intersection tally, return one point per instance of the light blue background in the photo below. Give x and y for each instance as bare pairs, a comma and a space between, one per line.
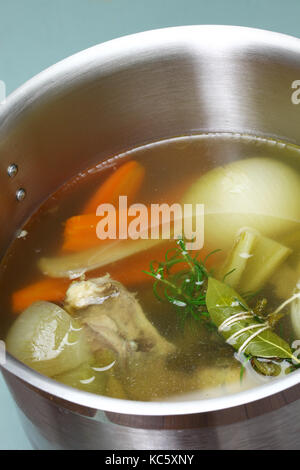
37, 33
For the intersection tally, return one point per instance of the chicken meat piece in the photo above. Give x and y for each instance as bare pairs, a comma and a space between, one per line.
113, 318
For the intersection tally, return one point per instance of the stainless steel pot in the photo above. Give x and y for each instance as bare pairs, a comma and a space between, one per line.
103, 101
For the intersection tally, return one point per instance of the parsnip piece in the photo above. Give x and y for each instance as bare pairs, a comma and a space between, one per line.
254, 258
268, 255
285, 279
295, 312
74, 265
238, 258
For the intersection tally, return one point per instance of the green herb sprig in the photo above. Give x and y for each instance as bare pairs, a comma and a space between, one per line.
185, 290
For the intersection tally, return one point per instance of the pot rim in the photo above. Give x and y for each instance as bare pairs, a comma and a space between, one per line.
143, 408
57, 78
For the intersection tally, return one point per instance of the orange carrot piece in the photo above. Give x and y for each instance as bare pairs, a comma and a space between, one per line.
125, 181
52, 290
130, 270
80, 232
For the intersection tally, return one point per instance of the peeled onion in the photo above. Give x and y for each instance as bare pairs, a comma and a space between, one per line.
47, 339
257, 192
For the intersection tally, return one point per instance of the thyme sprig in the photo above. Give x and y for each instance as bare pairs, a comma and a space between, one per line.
186, 289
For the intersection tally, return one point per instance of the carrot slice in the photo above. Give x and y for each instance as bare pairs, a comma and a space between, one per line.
52, 290
125, 181
130, 270
80, 231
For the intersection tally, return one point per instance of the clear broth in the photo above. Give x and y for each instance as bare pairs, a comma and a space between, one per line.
205, 364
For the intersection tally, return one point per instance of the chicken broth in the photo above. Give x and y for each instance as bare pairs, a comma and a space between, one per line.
84, 311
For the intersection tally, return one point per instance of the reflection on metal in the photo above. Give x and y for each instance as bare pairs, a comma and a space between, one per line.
2, 92
21, 194
12, 170
2, 353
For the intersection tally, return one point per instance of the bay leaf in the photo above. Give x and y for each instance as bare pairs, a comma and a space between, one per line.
223, 302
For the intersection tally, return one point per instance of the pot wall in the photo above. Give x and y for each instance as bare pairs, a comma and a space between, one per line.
52, 424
